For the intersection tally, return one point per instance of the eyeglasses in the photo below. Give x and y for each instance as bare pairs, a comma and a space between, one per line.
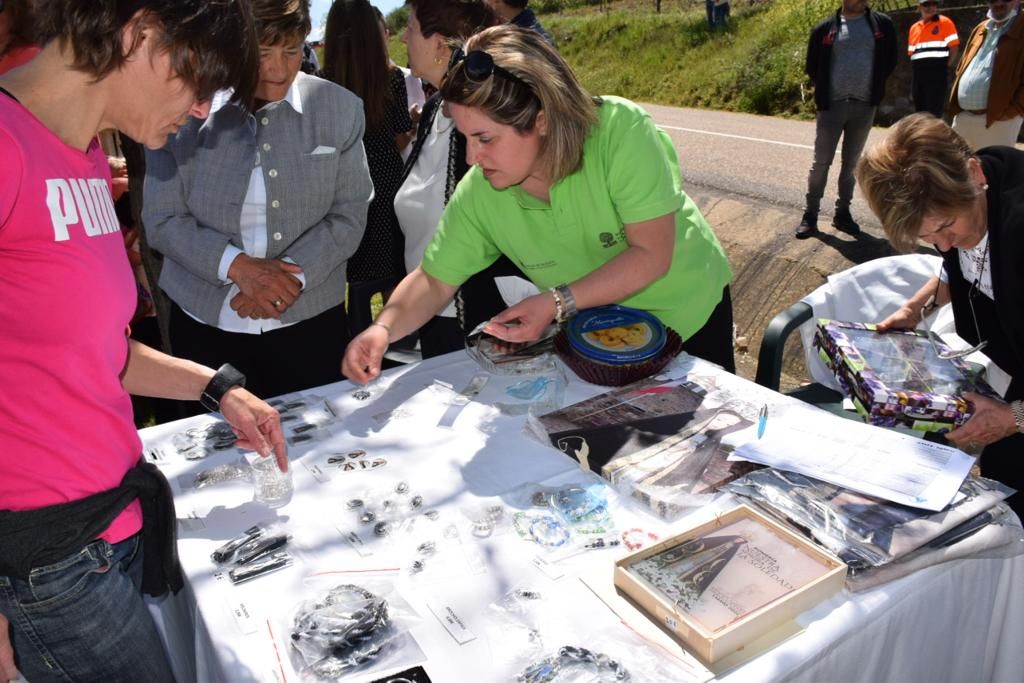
929, 306
478, 66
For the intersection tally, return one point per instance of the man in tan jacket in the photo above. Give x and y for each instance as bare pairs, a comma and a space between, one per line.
987, 99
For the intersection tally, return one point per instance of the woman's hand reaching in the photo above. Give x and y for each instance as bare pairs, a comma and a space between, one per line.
533, 314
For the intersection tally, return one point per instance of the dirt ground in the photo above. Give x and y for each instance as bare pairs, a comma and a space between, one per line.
772, 269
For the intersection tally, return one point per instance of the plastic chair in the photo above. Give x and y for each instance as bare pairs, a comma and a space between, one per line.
868, 292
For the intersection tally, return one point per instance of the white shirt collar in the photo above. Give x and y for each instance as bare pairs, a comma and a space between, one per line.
292, 97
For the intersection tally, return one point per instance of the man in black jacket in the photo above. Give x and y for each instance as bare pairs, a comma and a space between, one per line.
850, 55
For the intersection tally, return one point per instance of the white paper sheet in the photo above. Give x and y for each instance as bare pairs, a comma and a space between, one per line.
872, 460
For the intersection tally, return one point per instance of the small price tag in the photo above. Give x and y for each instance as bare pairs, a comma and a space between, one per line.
451, 621
357, 543
317, 472
552, 571
243, 617
191, 522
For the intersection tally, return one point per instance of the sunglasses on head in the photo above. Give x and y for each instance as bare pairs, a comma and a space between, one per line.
478, 67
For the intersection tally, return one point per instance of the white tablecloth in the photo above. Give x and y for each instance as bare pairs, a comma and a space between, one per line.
959, 621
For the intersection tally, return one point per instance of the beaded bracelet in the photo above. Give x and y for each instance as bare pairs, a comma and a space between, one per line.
634, 539
342, 640
549, 532
574, 658
568, 300
559, 306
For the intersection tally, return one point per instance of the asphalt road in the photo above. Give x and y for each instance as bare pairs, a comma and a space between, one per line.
748, 175
761, 158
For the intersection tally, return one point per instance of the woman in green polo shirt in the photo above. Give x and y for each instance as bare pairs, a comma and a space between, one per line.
582, 193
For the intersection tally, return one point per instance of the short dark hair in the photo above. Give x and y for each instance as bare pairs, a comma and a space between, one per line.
518, 4
21, 29
211, 43
278, 21
453, 19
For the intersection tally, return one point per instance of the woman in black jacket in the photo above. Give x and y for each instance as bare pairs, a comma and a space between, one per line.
924, 182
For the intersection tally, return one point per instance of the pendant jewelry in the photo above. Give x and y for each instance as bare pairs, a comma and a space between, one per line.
361, 394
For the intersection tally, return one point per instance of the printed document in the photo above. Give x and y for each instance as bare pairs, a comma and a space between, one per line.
872, 460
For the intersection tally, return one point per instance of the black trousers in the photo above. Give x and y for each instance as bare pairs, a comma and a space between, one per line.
306, 354
441, 335
929, 88
713, 342
1002, 461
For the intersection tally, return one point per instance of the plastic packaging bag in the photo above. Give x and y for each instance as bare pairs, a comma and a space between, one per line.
347, 627
863, 531
500, 357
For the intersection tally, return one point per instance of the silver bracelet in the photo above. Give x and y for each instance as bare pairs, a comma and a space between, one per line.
1017, 407
568, 300
574, 659
384, 325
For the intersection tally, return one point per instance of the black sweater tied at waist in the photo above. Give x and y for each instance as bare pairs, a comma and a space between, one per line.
36, 538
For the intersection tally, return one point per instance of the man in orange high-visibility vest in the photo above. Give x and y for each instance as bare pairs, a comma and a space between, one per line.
932, 46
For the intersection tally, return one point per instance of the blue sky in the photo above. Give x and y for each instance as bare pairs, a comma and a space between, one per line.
318, 11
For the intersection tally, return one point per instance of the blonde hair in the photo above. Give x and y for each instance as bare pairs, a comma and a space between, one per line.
921, 167
550, 86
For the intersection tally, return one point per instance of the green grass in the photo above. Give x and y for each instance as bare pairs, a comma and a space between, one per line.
671, 58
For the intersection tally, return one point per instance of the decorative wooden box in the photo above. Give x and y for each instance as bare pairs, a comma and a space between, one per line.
898, 378
726, 583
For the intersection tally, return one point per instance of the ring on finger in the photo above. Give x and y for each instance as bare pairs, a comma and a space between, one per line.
276, 303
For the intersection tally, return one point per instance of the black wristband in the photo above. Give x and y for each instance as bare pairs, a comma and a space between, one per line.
226, 378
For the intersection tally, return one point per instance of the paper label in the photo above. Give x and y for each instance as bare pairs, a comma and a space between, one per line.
191, 522
243, 617
356, 541
317, 472
451, 621
552, 571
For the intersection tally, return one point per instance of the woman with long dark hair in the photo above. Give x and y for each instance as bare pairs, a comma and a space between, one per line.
356, 58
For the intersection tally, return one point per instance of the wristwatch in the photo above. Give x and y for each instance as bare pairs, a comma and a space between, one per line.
226, 378
1018, 415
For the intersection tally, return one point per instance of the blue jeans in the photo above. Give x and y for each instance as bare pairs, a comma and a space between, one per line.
84, 619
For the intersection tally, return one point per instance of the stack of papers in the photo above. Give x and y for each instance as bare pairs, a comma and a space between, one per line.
874, 461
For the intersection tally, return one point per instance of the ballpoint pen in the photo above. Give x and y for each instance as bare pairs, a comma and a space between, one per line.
762, 420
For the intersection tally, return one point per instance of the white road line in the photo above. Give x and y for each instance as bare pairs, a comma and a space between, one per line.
737, 137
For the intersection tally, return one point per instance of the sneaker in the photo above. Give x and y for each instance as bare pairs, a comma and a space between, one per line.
808, 226
844, 222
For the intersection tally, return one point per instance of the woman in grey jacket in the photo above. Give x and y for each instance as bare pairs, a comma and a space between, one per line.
256, 215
